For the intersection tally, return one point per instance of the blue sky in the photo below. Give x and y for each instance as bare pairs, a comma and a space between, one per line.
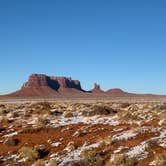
115, 43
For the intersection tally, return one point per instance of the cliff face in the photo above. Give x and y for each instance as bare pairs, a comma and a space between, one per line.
36, 80
64, 84
42, 85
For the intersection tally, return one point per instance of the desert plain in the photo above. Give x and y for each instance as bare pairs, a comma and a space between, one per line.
83, 131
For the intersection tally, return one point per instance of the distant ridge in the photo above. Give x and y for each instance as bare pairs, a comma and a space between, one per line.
115, 91
41, 85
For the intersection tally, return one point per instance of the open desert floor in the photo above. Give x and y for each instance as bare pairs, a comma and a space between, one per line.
83, 132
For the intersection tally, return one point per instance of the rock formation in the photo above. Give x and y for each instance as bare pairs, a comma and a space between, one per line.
115, 91
97, 89
42, 85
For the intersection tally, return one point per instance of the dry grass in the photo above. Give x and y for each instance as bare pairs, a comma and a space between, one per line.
121, 160
91, 157
160, 159
28, 154
39, 162
53, 162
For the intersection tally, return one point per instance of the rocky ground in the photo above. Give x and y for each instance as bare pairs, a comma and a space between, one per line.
82, 134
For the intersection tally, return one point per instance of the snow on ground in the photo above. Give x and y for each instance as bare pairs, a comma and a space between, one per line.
56, 144
140, 152
120, 149
75, 155
11, 134
124, 135
62, 121
162, 139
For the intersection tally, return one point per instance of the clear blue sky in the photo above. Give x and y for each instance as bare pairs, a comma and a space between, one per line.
117, 43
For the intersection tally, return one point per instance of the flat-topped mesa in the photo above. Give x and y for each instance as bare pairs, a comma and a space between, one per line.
38, 80
97, 89
43, 85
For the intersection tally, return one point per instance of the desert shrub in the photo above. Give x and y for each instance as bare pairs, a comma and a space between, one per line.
2, 112
125, 105
161, 107
4, 119
79, 133
91, 157
99, 110
104, 143
31, 130
39, 162
71, 146
162, 122
12, 115
107, 141
160, 159
52, 162
68, 114
28, 154
121, 160
133, 108
40, 108
129, 115
41, 121
82, 131
152, 143
2, 106
88, 153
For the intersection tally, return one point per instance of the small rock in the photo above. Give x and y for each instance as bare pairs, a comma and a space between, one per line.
55, 144
42, 150
56, 113
11, 141
2, 129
